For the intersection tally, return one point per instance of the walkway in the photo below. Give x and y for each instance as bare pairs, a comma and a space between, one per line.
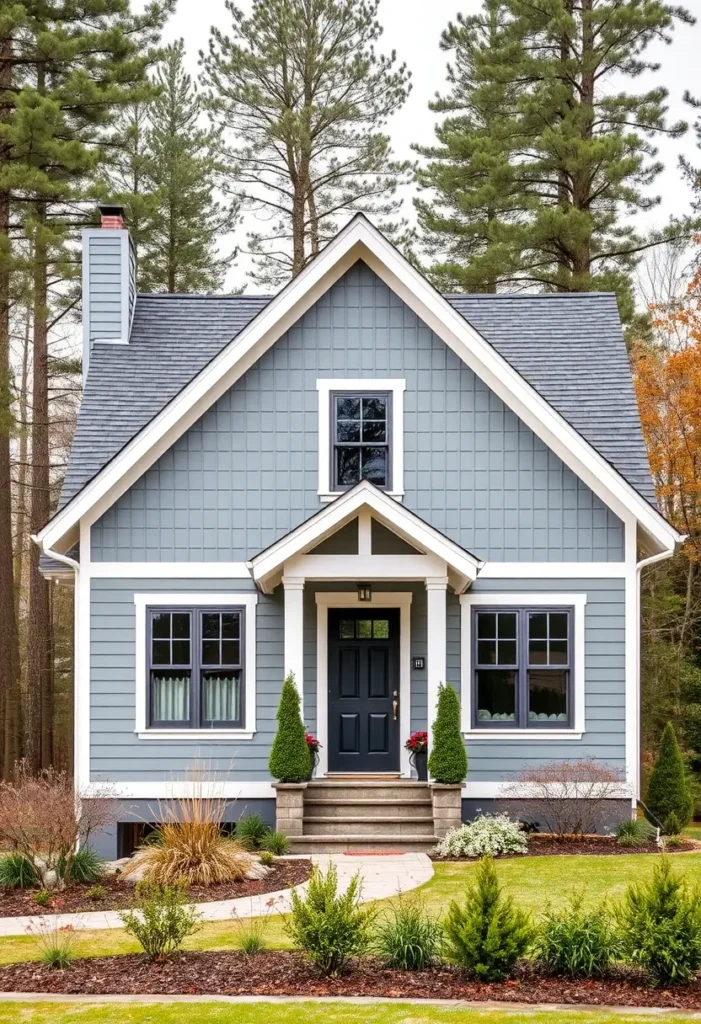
382, 876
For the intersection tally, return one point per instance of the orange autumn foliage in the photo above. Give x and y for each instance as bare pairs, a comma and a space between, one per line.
668, 386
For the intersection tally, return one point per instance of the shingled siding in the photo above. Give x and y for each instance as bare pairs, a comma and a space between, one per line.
105, 286
247, 472
604, 661
116, 753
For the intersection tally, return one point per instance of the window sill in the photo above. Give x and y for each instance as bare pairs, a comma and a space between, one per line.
332, 495
523, 734
213, 735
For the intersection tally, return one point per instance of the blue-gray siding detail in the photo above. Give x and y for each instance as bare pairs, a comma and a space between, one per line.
247, 472
105, 286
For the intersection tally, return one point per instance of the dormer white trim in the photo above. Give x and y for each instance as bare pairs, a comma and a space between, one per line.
360, 240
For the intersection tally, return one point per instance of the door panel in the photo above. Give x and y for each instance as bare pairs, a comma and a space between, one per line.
363, 686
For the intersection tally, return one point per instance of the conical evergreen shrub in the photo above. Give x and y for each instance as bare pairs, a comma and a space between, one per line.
290, 760
447, 762
668, 791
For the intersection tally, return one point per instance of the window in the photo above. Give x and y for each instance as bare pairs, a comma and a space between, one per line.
195, 667
522, 668
361, 440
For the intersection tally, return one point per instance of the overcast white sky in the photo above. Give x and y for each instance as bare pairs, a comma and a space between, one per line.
413, 29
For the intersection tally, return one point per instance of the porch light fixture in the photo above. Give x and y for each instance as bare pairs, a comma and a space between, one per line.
365, 592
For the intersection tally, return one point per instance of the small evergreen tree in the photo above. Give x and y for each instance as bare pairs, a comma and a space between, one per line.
487, 934
447, 761
289, 759
668, 791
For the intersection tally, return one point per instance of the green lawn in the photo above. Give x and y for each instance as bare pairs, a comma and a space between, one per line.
293, 1013
534, 882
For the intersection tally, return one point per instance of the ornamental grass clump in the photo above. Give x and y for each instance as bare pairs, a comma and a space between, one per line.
17, 872
290, 759
634, 832
407, 938
251, 831
660, 926
327, 926
668, 791
488, 835
576, 943
487, 934
162, 919
447, 762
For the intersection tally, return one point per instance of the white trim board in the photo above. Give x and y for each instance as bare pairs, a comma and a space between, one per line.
144, 601
467, 603
502, 790
359, 240
177, 788
324, 601
396, 387
170, 570
552, 570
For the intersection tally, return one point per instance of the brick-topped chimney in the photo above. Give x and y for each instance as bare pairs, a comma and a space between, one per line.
109, 282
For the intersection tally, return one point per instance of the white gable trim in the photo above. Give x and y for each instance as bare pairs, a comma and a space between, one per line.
359, 240
269, 563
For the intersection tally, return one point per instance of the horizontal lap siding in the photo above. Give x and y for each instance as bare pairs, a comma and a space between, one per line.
105, 286
247, 472
604, 661
116, 754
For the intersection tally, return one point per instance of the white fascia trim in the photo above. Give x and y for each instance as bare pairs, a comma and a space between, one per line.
170, 570
178, 789
348, 599
552, 570
341, 511
576, 601
144, 601
359, 240
325, 387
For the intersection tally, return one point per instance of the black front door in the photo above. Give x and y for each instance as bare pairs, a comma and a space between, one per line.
364, 690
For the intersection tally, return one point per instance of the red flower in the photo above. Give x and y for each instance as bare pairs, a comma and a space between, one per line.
417, 742
312, 741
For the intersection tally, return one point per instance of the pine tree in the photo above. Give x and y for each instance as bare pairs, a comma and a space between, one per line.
290, 760
447, 762
182, 161
471, 173
668, 791
305, 98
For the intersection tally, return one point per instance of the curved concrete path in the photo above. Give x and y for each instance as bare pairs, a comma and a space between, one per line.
382, 876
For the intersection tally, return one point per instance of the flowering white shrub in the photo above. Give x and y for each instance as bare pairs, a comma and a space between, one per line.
488, 834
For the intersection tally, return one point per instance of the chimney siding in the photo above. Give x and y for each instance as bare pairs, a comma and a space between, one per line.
109, 288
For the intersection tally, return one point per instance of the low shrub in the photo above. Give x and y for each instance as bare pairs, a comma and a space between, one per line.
329, 928
56, 945
567, 797
277, 843
251, 831
85, 867
267, 858
487, 835
487, 934
162, 919
660, 926
42, 898
407, 939
17, 872
97, 893
577, 943
634, 832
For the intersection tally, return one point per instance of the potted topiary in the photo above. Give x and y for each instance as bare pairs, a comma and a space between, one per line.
417, 745
447, 763
289, 761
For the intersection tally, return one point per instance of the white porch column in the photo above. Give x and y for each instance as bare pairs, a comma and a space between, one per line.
436, 592
294, 632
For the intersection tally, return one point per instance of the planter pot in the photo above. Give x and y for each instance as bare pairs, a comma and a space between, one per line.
419, 760
447, 807
315, 762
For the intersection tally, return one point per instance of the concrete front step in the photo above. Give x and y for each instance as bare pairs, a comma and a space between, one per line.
355, 843
393, 825
401, 792
367, 808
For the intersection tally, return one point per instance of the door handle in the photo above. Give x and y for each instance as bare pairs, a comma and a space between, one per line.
395, 705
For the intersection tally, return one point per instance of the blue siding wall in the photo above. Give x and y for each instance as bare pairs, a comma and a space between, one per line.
104, 277
247, 472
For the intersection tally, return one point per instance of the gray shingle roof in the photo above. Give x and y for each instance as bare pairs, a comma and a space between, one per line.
569, 347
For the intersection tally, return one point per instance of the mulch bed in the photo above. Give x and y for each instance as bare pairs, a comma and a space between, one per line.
541, 845
120, 893
284, 973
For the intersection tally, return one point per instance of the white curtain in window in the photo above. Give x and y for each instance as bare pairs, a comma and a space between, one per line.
171, 698
221, 698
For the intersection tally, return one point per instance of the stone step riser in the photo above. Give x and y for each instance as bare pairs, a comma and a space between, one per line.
366, 809
343, 827
361, 844
338, 793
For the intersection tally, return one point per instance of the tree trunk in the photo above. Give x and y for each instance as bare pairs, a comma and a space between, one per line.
9, 651
21, 503
38, 732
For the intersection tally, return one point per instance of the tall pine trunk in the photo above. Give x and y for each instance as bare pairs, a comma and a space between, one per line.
9, 651
39, 714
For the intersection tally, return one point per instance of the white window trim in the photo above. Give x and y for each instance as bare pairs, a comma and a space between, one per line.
347, 599
145, 601
396, 387
515, 600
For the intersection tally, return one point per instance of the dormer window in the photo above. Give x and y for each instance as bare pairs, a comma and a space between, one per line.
361, 448
361, 435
